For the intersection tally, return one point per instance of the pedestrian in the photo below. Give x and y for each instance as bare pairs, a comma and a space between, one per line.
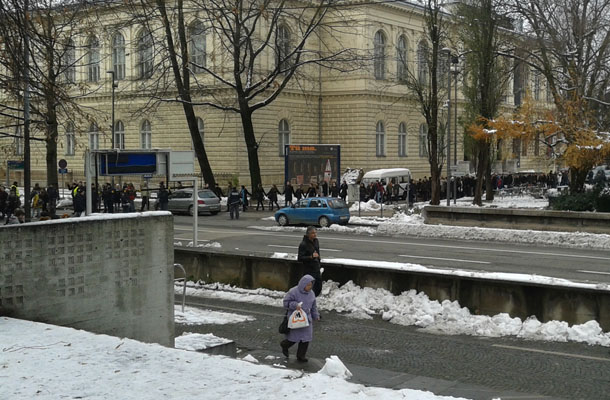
343, 191
311, 192
18, 218
300, 298
36, 204
298, 195
259, 195
272, 195
107, 195
288, 193
243, 195
15, 187
131, 195
3, 200
145, 194
233, 201
163, 197
12, 203
334, 190
325, 188
309, 255
116, 197
80, 202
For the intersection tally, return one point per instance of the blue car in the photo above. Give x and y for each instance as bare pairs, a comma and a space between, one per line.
323, 211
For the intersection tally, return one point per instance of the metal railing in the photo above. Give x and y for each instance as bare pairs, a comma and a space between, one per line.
184, 287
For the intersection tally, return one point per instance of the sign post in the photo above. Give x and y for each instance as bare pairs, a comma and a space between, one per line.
62, 171
181, 167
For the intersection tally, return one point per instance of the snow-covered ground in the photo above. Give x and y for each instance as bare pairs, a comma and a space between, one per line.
197, 316
412, 308
48, 362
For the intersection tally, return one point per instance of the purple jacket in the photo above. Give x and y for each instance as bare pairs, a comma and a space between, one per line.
293, 297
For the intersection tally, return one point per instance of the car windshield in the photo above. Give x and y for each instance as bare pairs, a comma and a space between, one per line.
337, 203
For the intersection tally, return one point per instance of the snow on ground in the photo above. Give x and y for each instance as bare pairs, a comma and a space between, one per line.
199, 341
499, 201
214, 245
412, 308
370, 206
48, 362
197, 316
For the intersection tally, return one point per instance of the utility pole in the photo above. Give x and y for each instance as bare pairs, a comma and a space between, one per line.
448, 185
27, 177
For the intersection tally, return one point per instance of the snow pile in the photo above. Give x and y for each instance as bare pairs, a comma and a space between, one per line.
351, 176
499, 201
197, 316
198, 341
250, 358
335, 368
284, 256
367, 206
50, 362
214, 245
233, 293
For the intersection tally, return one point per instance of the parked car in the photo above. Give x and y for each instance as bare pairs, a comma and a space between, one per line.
181, 201
323, 211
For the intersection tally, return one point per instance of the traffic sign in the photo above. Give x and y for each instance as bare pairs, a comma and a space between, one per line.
15, 164
62, 164
63, 170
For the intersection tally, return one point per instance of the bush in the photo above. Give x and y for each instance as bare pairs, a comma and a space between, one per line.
595, 200
603, 201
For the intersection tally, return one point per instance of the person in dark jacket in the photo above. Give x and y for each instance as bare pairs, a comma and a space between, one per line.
300, 298
309, 255
163, 197
243, 195
259, 195
12, 203
272, 195
80, 202
298, 195
311, 192
288, 193
334, 190
3, 200
233, 202
324, 188
343, 191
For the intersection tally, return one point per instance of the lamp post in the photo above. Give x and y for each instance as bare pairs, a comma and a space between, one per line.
455, 61
448, 51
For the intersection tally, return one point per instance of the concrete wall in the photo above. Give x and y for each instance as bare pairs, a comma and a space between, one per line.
518, 219
111, 276
481, 296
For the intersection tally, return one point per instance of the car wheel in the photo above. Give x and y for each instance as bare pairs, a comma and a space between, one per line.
190, 210
324, 222
282, 220
213, 212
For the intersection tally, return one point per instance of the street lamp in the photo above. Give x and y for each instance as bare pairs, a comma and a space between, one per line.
448, 51
455, 70
114, 86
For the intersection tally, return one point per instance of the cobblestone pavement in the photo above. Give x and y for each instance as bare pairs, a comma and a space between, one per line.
405, 357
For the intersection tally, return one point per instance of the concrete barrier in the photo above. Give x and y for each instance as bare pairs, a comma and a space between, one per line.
510, 218
481, 296
111, 275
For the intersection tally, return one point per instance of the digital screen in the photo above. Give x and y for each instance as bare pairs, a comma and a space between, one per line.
312, 163
128, 164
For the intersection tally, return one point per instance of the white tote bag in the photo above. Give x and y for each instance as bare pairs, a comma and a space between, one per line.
298, 319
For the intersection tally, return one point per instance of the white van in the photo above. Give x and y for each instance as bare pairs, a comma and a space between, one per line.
398, 176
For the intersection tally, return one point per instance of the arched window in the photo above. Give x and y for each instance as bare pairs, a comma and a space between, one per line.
423, 140
379, 54
118, 56
70, 142
283, 47
18, 141
283, 136
402, 140
93, 59
145, 135
119, 135
197, 44
69, 62
144, 55
380, 139
200, 127
94, 137
422, 63
401, 59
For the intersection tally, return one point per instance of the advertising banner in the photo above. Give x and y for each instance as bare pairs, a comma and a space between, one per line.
312, 163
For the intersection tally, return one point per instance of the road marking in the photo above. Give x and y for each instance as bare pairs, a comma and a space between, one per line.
496, 250
446, 259
593, 272
551, 352
293, 247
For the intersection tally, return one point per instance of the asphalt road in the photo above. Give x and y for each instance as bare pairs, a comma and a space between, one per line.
240, 236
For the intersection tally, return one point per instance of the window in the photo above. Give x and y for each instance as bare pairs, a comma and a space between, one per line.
402, 140
70, 62
423, 140
380, 139
379, 54
549, 94
516, 147
536, 86
119, 135
93, 60
283, 136
18, 141
145, 55
401, 59
94, 137
524, 148
537, 144
282, 47
118, 56
197, 47
146, 135
422, 63
70, 142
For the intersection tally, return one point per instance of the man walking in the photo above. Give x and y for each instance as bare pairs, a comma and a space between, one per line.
309, 255
233, 202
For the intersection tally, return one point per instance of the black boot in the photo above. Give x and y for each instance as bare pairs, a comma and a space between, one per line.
301, 351
285, 344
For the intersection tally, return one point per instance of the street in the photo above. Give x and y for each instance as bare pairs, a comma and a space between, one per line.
587, 265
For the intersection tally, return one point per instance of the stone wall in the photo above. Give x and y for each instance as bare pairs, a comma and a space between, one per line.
111, 275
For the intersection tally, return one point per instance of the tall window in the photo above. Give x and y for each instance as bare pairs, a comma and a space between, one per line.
93, 59
94, 137
423, 140
119, 135
197, 46
283, 136
422, 63
145, 135
380, 139
516, 147
70, 142
401, 59
283, 47
402, 140
145, 55
537, 88
18, 141
118, 56
379, 49
70, 62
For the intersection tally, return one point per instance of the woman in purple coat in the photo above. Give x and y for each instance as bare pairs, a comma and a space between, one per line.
302, 298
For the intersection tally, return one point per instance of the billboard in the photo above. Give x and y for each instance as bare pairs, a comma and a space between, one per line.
307, 163
126, 163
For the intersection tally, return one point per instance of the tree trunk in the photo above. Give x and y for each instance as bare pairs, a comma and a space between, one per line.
51, 140
577, 180
435, 185
251, 145
202, 156
482, 162
489, 190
